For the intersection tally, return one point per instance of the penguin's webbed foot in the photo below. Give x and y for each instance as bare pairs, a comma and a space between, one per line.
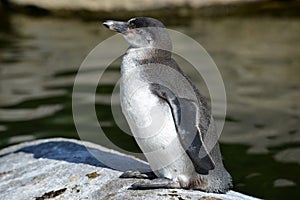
138, 174
157, 183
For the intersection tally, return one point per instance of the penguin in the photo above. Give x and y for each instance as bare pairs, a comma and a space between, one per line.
166, 113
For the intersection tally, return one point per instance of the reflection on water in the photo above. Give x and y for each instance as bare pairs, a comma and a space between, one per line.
259, 60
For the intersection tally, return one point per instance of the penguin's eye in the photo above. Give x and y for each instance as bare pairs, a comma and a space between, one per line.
132, 25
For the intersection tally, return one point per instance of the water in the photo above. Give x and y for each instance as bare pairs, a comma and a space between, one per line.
259, 59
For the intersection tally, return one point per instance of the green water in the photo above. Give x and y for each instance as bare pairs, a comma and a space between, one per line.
259, 59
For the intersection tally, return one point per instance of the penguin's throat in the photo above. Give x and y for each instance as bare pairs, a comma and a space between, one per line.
143, 54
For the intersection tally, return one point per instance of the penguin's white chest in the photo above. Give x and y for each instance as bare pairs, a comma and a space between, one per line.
149, 118
151, 122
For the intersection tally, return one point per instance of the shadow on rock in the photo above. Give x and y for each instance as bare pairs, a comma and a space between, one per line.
78, 153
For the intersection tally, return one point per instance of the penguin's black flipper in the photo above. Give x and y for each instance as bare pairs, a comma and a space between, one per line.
185, 117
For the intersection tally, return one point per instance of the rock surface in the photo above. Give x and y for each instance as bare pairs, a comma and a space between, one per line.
71, 169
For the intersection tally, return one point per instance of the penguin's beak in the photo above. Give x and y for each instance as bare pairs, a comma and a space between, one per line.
117, 26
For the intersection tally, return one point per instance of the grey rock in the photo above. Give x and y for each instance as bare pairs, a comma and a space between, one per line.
70, 169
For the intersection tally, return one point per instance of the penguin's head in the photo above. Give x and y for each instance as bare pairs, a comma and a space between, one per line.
142, 32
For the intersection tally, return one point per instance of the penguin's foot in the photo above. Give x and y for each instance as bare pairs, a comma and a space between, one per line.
155, 184
138, 174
